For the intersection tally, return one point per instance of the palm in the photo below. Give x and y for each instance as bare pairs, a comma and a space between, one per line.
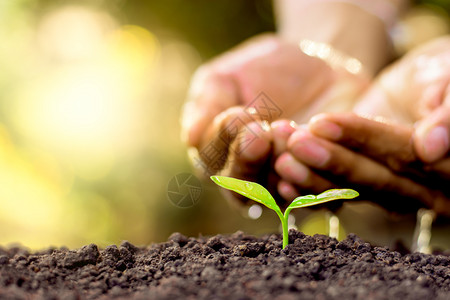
298, 84
412, 88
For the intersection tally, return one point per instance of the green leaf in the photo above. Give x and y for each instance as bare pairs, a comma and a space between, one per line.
303, 201
337, 194
330, 195
248, 189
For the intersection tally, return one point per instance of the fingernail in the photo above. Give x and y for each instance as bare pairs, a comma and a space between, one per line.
436, 143
284, 126
326, 129
290, 169
310, 152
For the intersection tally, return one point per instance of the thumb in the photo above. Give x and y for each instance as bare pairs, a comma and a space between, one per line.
432, 135
210, 94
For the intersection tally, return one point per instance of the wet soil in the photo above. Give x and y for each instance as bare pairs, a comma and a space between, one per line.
236, 266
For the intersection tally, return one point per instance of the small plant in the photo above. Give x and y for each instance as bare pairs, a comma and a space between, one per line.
259, 194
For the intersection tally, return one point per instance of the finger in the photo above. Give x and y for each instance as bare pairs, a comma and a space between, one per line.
343, 165
293, 171
255, 161
432, 135
281, 131
389, 144
441, 170
251, 149
214, 148
249, 155
287, 190
294, 183
210, 94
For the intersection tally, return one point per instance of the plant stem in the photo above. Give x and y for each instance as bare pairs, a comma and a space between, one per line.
284, 226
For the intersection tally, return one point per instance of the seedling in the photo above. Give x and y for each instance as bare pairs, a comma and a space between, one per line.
259, 194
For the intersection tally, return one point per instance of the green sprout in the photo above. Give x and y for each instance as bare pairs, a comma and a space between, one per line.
259, 194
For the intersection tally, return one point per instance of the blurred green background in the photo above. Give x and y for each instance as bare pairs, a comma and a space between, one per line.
90, 98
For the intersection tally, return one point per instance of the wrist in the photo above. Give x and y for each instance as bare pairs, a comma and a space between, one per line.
349, 28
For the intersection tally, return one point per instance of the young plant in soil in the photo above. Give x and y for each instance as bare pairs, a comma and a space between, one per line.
259, 194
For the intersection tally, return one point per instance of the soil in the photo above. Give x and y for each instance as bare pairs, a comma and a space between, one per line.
236, 266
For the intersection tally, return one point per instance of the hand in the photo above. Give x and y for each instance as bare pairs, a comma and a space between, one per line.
378, 159
344, 150
256, 161
392, 162
416, 91
224, 91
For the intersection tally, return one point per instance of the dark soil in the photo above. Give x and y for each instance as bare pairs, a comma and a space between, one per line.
226, 267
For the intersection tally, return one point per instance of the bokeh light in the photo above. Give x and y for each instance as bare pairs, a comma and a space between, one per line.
90, 98
83, 104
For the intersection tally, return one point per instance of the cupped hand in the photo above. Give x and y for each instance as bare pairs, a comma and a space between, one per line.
416, 91
398, 155
264, 79
379, 159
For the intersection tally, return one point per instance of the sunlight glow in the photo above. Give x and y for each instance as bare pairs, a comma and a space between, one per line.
87, 107
73, 32
90, 113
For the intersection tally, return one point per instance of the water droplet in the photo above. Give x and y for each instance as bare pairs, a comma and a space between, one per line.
249, 186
